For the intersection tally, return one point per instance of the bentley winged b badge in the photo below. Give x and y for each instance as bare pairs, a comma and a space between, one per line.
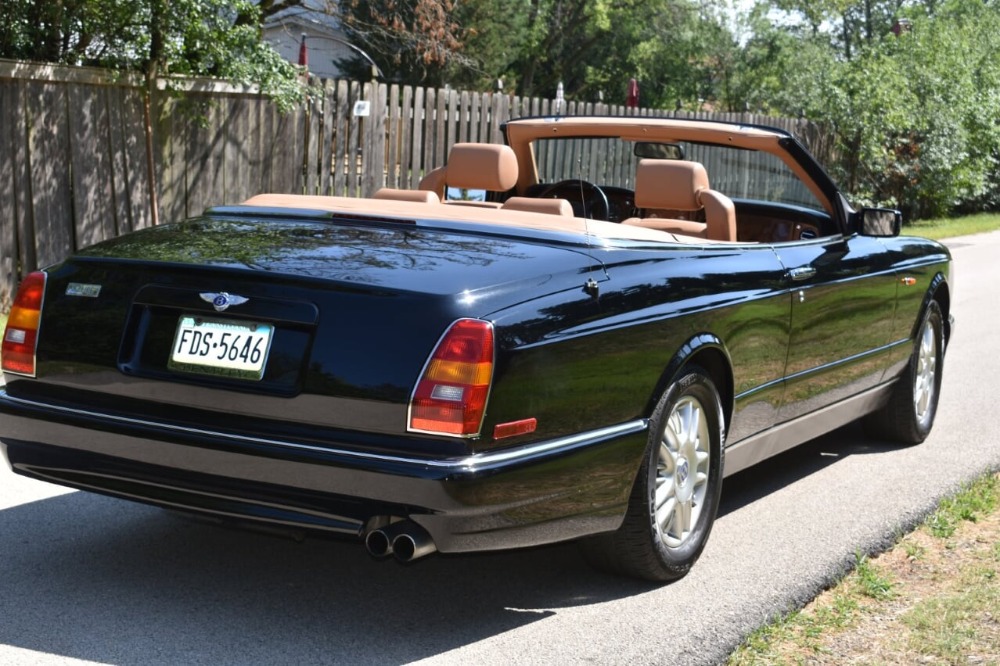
222, 300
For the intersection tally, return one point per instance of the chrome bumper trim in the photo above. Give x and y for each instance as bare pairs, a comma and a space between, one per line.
471, 463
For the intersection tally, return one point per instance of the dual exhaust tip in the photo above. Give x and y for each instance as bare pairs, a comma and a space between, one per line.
404, 540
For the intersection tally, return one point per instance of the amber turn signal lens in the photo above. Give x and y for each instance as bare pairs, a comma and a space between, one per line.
20, 338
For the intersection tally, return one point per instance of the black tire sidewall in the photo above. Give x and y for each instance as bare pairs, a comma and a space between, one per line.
695, 382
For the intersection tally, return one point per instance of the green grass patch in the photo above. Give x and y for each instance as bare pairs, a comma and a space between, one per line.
937, 605
959, 627
870, 582
973, 501
954, 226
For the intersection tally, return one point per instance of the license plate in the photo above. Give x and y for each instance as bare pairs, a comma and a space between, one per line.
221, 347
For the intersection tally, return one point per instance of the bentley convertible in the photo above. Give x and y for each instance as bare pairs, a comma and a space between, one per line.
573, 336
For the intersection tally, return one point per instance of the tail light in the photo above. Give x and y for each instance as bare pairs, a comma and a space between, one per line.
20, 339
450, 397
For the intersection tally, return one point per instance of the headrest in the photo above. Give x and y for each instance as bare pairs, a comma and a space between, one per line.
546, 206
481, 166
416, 196
669, 184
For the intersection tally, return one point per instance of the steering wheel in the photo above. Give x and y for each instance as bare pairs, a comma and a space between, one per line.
593, 199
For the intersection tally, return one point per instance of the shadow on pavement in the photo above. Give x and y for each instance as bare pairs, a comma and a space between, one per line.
101, 579
796, 464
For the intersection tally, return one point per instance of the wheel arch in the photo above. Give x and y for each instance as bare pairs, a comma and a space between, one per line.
708, 352
939, 291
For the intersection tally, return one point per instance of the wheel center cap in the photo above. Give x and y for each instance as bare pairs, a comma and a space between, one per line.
683, 470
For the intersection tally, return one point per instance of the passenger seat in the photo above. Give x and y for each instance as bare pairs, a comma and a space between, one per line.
682, 186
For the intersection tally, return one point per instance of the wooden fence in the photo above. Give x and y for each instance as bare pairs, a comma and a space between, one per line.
73, 157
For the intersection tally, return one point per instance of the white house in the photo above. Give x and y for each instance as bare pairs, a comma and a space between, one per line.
325, 40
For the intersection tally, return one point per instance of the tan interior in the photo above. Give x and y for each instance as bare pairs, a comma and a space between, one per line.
522, 133
546, 206
419, 213
681, 186
675, 199
416, 196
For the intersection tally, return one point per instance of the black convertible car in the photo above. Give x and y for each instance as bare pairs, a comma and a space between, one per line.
575, 335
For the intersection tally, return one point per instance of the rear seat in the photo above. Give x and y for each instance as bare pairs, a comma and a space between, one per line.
415, 196
548, 206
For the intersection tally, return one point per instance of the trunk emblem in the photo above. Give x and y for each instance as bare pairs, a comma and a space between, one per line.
222, 300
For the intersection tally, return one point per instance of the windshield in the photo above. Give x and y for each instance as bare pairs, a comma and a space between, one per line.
737, 173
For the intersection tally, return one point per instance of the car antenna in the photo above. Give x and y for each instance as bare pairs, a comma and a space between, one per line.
590, 287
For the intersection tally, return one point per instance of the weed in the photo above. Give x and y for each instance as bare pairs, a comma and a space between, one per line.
871, 583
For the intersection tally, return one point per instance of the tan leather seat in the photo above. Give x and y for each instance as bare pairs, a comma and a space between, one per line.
416, 196
682, 186
548, 206
474, 166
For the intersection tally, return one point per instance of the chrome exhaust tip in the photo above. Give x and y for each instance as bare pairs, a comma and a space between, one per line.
404, 539
413, 544
378, 544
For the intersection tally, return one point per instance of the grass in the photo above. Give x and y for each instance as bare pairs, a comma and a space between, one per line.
955, 226
934, 598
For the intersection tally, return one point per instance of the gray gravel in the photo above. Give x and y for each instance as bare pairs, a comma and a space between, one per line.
91, 579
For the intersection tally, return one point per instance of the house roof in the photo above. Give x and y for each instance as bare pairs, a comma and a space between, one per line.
321, 15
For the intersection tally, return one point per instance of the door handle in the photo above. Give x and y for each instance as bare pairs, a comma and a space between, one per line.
801, 273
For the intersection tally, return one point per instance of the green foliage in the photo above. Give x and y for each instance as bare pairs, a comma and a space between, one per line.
676, 49
914, 115
215, 38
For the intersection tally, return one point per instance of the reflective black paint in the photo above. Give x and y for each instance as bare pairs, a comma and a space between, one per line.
357, 309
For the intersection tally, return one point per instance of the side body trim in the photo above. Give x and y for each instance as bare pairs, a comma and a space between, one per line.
788, 435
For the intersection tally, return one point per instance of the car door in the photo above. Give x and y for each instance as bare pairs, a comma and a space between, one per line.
843, 293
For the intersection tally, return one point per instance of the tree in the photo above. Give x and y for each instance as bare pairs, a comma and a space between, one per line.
913, 115
196, 37
413, 42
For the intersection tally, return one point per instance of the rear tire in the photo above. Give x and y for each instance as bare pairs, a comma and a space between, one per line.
676, 494
909, 415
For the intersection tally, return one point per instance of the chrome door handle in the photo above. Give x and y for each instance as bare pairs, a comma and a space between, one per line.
802, 273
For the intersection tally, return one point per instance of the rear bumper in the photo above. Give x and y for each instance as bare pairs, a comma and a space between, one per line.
539, 493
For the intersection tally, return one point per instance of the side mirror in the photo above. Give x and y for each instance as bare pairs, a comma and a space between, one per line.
880, 222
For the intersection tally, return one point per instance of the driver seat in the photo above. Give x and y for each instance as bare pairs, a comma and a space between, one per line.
678, 185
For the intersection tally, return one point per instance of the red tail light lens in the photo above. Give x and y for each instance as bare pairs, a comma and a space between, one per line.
21, 336
450, 398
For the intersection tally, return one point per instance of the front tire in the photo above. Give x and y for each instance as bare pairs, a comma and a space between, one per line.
675, 496
909, 415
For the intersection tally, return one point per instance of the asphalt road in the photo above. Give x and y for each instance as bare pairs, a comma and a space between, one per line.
89, 579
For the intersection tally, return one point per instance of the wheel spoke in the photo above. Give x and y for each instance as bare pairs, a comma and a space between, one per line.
683, 523
664, 515
665, 491
925, 375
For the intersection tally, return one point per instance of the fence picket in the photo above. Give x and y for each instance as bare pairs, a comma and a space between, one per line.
9, 108
90, 158
51, 189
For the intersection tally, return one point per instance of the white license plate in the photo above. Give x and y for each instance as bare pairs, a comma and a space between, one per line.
221, 347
